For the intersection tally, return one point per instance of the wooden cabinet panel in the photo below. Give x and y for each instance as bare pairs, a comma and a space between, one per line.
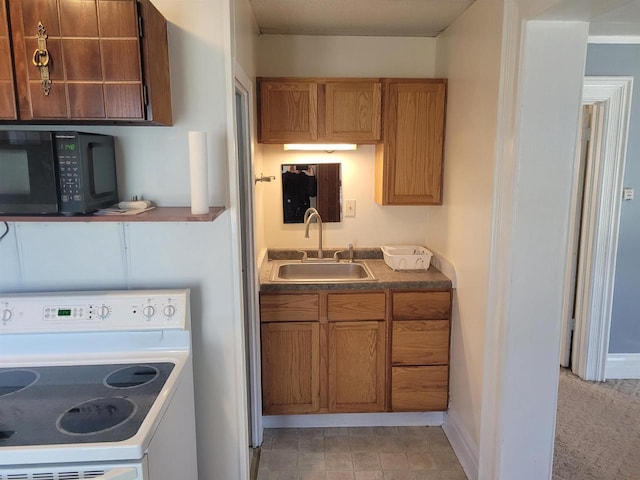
94, 52
409, 163
353, 111
421, 305
290, 368
118, 19
49, 107
356, 366
34, 11
7, 92
121, 60
82, 61
288, 111
86, 100
81, 18
123, 100
419, 388
289, 307
356, 306
420, 342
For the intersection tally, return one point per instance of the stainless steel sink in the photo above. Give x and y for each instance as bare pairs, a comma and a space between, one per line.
321, 272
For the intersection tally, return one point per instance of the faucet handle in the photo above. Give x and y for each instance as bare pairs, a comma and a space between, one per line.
304, 255
351, 253
336, 255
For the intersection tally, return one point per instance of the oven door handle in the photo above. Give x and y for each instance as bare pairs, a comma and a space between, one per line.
125, 473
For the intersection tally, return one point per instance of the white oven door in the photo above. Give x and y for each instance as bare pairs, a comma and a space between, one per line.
72, 471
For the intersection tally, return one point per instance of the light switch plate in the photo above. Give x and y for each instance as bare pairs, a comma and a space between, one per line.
349, 208
628, 193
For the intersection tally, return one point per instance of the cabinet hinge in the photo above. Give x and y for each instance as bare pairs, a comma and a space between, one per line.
140, 31
145, 97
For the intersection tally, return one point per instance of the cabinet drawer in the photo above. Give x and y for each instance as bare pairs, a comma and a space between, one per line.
421, 305
420, 342
356, 306
419, 388
289, 307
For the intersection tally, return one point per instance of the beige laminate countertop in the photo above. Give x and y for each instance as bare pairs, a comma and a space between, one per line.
386, 279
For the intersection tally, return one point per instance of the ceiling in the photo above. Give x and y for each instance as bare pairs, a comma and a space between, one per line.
405, 18
419, 18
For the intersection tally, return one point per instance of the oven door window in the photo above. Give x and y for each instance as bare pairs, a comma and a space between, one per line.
27, 173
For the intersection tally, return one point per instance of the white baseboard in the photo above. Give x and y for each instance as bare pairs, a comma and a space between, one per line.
429, 419
623, 365
466, 449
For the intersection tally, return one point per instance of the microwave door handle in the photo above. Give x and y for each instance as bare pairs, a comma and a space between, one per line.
125, 473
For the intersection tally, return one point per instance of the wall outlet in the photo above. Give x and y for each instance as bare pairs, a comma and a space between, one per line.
349, 208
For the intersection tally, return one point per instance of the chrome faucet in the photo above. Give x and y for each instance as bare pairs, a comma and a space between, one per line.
310, 214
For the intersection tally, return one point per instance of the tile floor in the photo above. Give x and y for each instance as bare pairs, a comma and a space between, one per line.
362, 453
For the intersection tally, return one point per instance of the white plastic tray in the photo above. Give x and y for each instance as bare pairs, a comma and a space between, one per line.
407, 257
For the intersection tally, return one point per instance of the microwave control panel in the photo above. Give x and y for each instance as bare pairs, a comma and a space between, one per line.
69, 168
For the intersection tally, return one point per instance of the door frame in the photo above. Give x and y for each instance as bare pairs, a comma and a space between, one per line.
599, 230
244, 86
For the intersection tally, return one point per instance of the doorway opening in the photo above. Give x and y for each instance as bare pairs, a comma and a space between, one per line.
594, 226
243, 99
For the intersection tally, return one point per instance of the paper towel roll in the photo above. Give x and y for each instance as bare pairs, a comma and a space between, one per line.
198, 173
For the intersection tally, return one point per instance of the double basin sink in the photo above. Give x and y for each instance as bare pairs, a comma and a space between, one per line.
321, 272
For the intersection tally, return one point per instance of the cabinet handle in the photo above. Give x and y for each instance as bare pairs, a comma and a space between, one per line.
41, 58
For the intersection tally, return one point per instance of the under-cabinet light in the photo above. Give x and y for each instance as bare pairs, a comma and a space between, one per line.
327, 147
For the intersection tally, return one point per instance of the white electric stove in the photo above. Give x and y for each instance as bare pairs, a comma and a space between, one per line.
96, 385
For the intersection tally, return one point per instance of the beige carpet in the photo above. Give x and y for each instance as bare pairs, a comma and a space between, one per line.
597, 430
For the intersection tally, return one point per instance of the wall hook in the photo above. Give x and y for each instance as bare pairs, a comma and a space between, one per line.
262, 178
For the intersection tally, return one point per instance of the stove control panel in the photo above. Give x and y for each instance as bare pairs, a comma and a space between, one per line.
95, 311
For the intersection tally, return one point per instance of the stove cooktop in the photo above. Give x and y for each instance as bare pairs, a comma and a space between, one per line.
56, 405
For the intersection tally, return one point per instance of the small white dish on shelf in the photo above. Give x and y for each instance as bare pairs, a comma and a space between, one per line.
407, 257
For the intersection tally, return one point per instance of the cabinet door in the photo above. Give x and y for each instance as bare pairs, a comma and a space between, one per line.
290, 368
288, 111
352, 111
93, 55
409, 163
7, 92
356, 366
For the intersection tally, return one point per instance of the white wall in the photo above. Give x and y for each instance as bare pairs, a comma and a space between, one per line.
373, 224
327, 56
468, 54
551, 77
153, 161
245, 37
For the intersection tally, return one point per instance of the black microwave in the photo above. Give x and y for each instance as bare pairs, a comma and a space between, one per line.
70, 173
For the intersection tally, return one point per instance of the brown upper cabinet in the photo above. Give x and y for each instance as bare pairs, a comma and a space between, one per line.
308, 110
409, 162
90, 60
7, 92
405, 118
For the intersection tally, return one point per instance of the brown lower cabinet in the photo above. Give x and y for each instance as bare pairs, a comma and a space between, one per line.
344, 352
